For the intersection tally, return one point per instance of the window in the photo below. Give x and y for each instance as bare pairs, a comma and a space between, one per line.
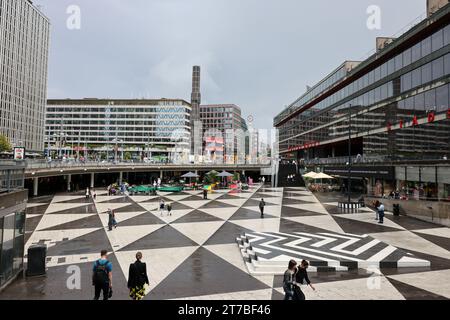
437, 40
419, 102
416, 52
447, 35
407, 57
416, 78
398, 62
426, 47
426, 73
406, 82
447, 64
442, 99
438, 68
430, 99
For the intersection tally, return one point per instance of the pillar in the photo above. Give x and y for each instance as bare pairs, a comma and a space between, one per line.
92, 180
69, 180
161, 174
120, 177
35, 186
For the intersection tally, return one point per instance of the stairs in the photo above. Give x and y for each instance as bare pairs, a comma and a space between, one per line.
284, 170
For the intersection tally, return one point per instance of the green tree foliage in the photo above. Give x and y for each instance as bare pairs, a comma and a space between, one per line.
4, 143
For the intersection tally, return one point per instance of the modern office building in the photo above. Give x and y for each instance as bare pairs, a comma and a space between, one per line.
223, 121
153, 129
13, 199
394, 106
24, 44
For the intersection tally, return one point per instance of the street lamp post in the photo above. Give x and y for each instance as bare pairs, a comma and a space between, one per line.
349, 151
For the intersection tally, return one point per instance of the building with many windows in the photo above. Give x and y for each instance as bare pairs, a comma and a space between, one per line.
394, 106
24, 43
155, 129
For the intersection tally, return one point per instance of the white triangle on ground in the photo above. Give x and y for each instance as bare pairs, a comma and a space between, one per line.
324, 222
439, 232
160, 262
108, 198
149, 206
270, 201
262, 294
233, 202
258, 225
178, 197
410, 241
120, 216
240, 195
29, 216
57, 235
66, 198
55, 261
123, 236
200, 232
195, 204
176, 214
32, 205
52, 220
55, 207
300, 193
142, 198
304, 198
221, 213
432, 281
370, 218
215, 195
103, 207
318, 208
272, 210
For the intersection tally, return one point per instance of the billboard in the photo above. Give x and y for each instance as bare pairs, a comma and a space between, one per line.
19, 153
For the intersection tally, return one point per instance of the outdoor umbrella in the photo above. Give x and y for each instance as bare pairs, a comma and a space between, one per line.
225, 174
321, 176
311, 174
190, 175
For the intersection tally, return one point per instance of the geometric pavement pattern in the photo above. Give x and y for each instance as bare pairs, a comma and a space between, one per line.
193, 254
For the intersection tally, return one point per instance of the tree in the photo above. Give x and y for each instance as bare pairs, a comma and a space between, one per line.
4, 143
127, 155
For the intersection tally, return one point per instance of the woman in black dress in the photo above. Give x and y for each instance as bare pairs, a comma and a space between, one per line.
300, 277
137, 278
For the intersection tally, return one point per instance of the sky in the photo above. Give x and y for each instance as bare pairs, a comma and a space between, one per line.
257, 54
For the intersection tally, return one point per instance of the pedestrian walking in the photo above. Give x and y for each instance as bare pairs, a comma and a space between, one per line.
114, 221
161, 206
110, 219
288, 280
94, 194
87, 193
102, 276
205, 194
301, 276
380, 209
262, 204
263, 180
137, 278
169, 209
376, 204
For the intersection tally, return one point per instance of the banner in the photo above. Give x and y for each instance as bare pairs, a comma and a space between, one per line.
19, 153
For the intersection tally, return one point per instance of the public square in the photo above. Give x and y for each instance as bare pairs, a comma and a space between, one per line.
193, 254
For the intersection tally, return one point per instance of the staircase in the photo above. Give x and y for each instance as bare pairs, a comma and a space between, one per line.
284, 170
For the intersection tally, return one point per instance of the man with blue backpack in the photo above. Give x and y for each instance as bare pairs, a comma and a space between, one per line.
102, 276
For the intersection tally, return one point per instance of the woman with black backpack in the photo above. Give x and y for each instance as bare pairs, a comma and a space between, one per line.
137, 278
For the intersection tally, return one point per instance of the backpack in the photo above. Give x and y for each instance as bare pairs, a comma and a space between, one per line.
101, 273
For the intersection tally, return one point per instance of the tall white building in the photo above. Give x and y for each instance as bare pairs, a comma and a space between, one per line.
158, 129
24, 43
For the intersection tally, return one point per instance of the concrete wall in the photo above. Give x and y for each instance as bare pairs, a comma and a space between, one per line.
431, 211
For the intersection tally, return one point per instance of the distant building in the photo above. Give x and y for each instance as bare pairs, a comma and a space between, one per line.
24, 43
153, 129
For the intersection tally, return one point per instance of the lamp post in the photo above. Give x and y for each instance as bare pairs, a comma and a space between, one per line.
349, 151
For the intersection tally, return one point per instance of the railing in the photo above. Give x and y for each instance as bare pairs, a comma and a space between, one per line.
11, 176
369, 160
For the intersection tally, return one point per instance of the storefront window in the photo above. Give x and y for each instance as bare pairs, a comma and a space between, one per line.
7, 254
18, 241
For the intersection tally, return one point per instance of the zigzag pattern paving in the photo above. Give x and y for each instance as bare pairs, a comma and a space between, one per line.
193, 253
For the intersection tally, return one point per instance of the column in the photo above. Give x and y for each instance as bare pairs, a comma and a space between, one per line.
92, 179
120, 177
69, 180
35, 186
161, 174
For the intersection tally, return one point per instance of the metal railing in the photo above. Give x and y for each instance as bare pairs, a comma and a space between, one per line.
369, 160
11, 176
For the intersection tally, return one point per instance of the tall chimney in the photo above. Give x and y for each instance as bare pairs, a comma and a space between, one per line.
196, 130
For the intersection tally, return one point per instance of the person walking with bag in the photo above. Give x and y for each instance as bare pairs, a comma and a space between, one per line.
289, 280
102, 276
137, 278
380, 209
161, 207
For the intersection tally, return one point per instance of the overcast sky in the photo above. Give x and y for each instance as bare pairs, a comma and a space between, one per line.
258, 54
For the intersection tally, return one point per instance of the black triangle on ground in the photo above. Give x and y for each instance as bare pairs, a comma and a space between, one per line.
165, 237
32, 223
228, 196
332, 209
288, 226
294, 189
88, 222
216, 204
89, 243
44, 199
360, 227
79, 200
294, 201
178, 206
133, 207
410, 223
245, 213
37, 210
259, 195
413, 293
193, 198
118, 200
140, 220
277, 295
90, 208
439, 241
157, 200
294, 212
255, 203
182, 193
196, 216
208, 274
227, 234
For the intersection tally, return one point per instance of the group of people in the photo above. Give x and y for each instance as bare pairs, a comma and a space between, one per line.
163, 207
291, 178
293, 277
91, 193
102, 277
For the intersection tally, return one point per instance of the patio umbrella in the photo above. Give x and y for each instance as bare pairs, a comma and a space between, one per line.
190, 175
225, 174
321, 176
311, 174
212, 172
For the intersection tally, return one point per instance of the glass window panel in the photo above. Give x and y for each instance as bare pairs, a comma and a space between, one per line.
407, 57
438, 68
426, 46
416, 78
442, 98
7, 253
383, 70
391, 66
437, 40
447, 64
430, 99
398, 62
426, 73
419, 102
19, 242
406, 82
416, 52
447, 35
377, 73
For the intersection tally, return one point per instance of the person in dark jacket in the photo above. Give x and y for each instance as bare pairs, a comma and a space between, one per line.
137, 278
262, 204
300, 277
205, 194
289, 280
